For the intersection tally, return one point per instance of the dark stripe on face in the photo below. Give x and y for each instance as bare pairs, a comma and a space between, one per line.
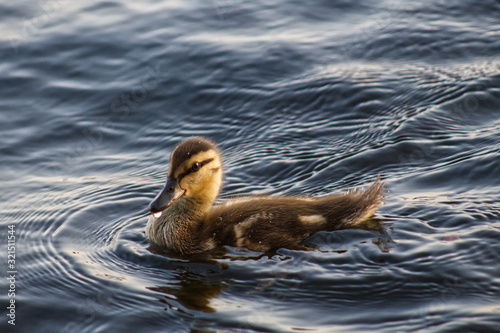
187, 149
190, 170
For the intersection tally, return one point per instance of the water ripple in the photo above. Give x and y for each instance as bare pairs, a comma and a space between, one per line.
301, 101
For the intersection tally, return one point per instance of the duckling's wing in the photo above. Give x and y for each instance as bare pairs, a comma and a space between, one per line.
265, 223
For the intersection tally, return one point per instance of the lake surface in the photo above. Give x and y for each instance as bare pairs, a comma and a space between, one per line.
307, 98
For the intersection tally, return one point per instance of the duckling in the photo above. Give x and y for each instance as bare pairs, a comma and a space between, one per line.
186, 220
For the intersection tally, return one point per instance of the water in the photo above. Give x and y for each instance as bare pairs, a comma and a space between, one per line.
303, 98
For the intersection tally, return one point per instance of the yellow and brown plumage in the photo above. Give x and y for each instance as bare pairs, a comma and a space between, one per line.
186, 220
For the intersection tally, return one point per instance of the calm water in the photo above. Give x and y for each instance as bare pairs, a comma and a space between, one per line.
306, 98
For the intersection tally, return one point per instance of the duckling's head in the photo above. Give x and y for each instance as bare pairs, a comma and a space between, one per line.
195, 173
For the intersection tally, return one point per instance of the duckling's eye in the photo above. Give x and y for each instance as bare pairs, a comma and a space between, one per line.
171, 189
195, 167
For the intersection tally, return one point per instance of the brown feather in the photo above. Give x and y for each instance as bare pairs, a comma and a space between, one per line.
261, 223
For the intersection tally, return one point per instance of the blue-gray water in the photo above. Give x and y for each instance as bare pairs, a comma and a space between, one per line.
303, 98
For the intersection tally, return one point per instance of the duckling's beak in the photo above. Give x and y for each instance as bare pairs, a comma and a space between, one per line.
168, 195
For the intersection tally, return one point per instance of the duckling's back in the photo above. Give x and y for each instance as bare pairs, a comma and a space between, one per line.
265, 223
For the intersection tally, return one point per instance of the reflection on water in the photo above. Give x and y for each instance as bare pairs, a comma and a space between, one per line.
195, 289
192, 291
303, 99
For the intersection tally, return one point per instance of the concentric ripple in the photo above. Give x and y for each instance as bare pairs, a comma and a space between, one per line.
302, 99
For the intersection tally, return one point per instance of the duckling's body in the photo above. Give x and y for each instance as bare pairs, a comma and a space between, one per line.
186, 221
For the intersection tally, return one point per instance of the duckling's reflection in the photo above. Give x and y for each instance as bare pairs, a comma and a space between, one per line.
381, 225
201, 275
196, 281
378, 225
192, 291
